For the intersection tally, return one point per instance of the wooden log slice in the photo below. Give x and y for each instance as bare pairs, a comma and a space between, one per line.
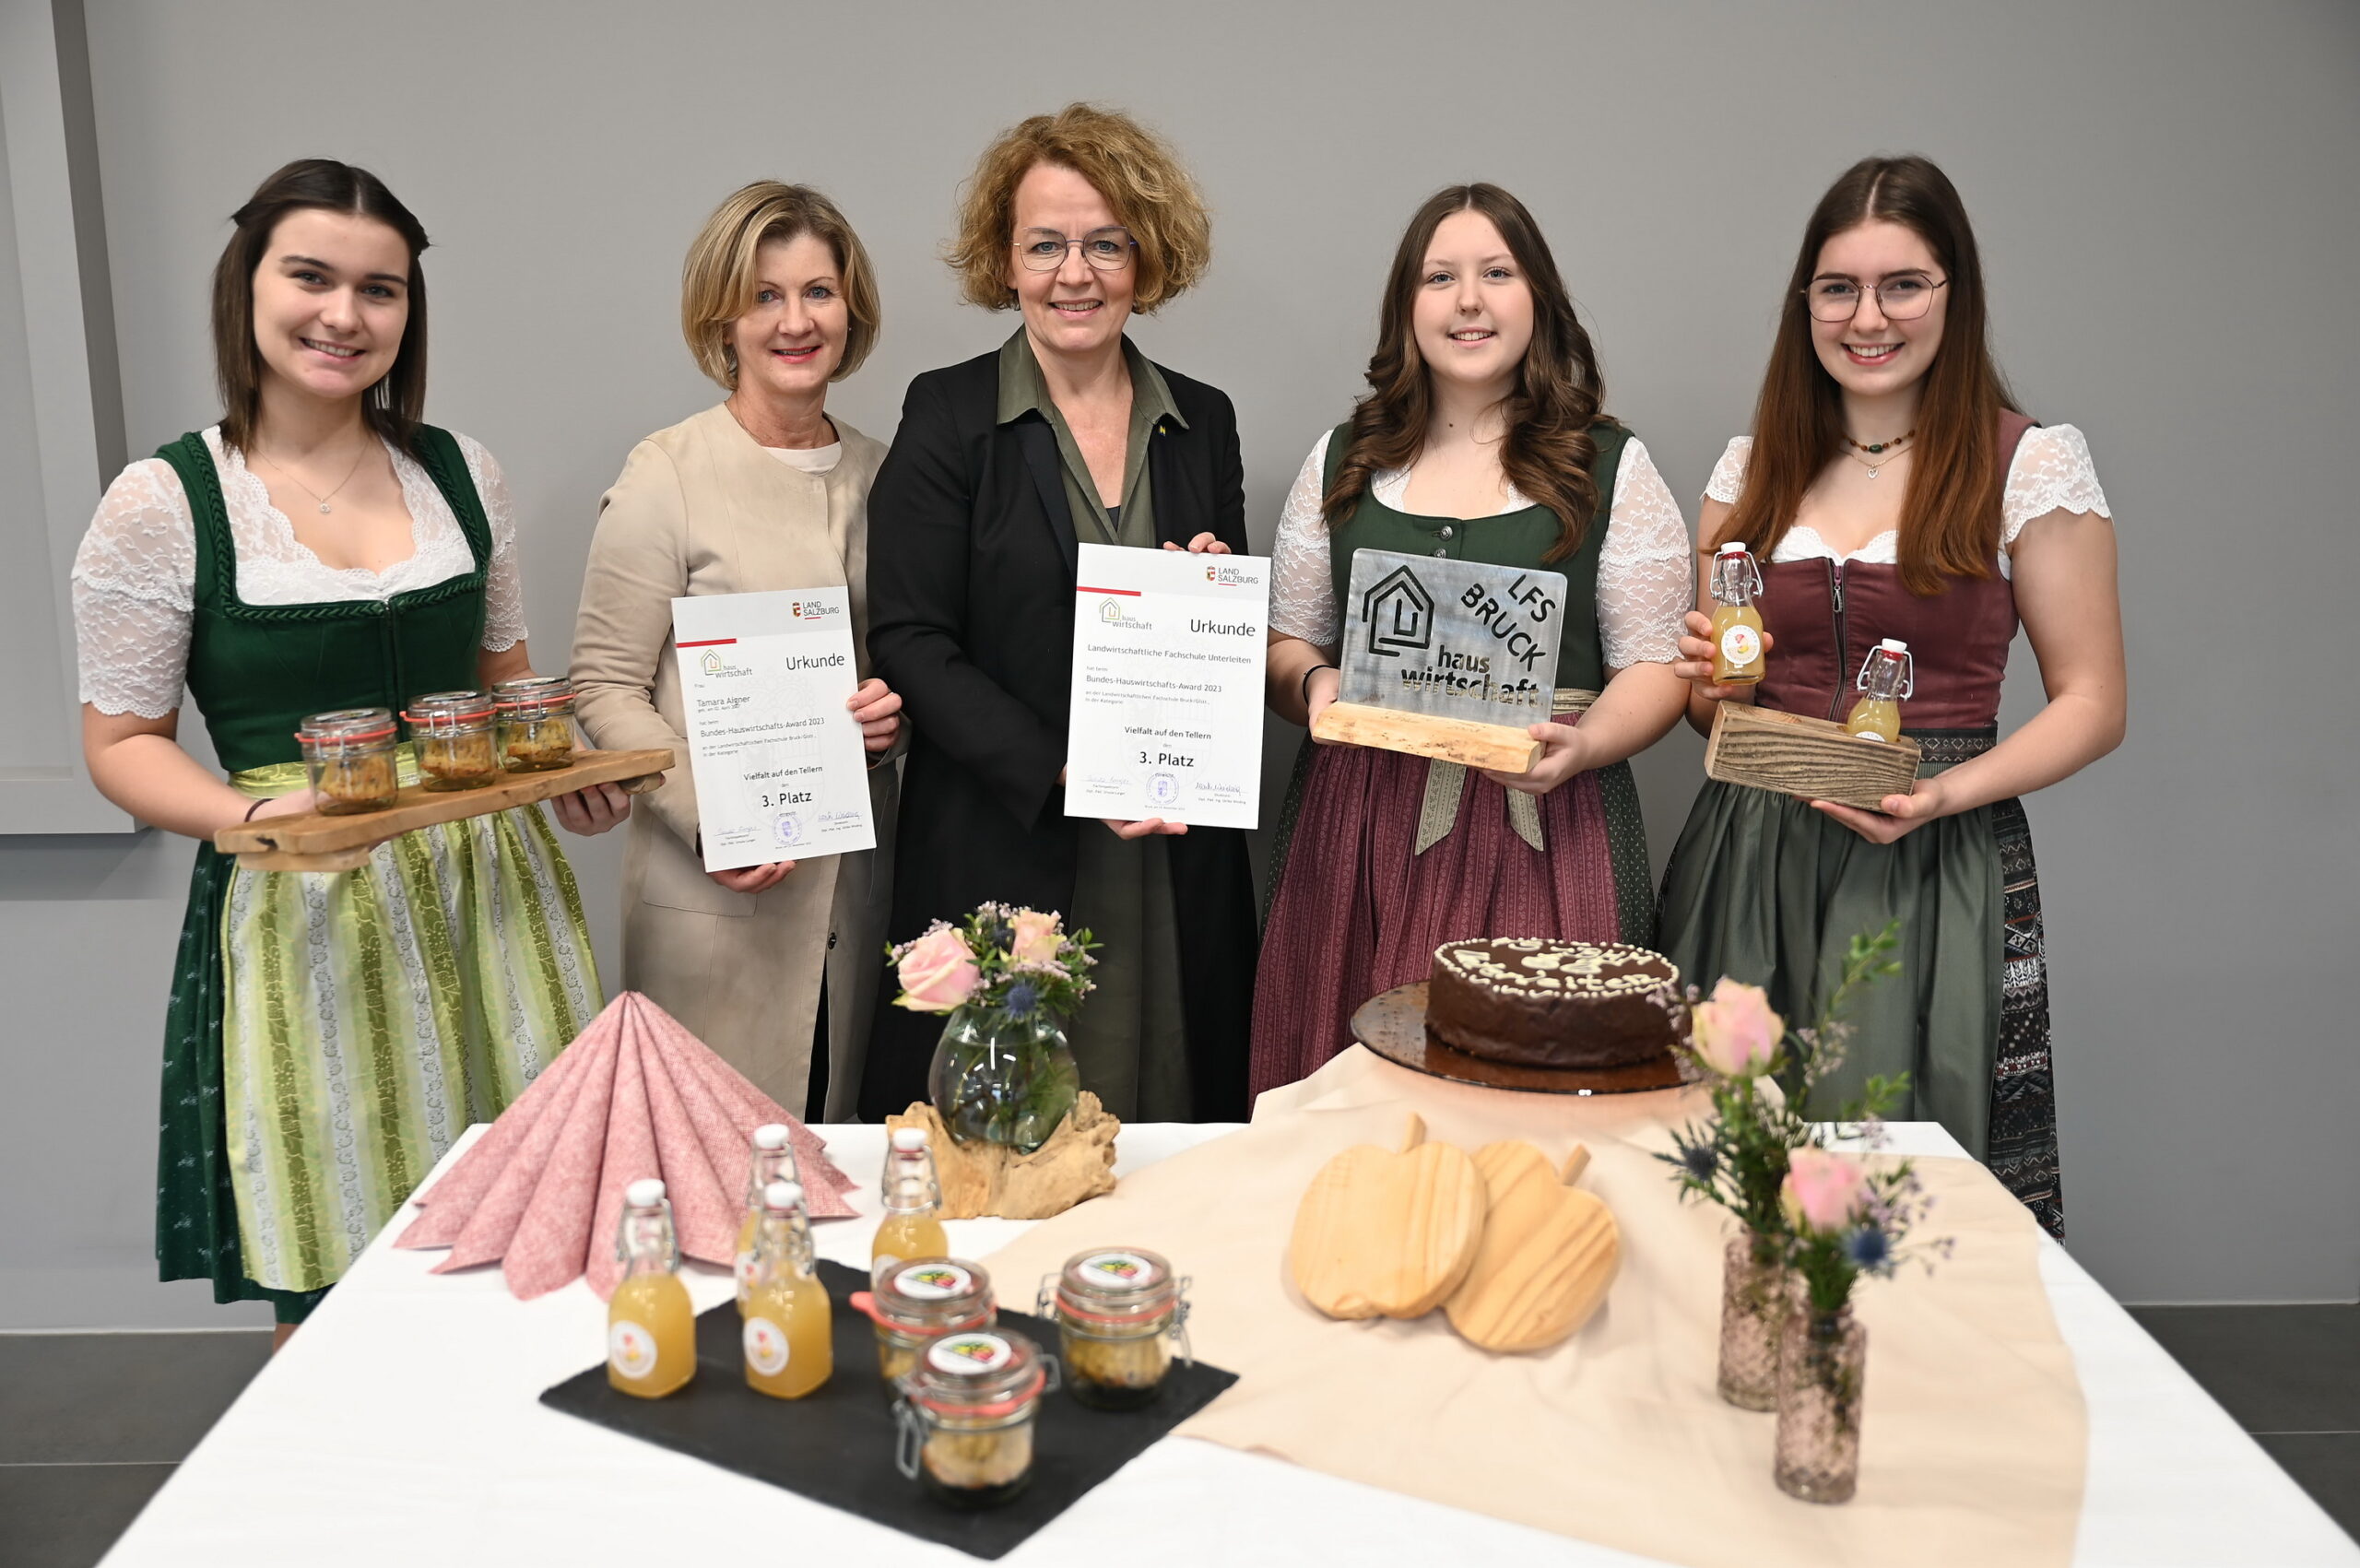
1795, 754
1502, 748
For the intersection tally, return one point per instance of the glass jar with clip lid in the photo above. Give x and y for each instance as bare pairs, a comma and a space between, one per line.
536, 722
453, 734
1119, 1313
916, 1303
964, 1422
349, 757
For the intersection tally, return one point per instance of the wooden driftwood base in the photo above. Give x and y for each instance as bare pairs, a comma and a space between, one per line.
1812, 757
1076, 1164
1502, 748
315, 843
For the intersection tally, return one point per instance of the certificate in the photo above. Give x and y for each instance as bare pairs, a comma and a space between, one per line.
780, 771
1168, 650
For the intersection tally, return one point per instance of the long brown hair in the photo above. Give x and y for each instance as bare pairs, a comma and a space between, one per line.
396, 404
1950, 513
1558, 395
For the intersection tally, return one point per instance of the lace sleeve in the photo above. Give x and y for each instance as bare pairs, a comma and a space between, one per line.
1729, 474
2051, 473
134, 583
503, 593
1644, 582
1303, 588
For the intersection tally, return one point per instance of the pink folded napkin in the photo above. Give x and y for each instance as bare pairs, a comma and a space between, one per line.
636, 1095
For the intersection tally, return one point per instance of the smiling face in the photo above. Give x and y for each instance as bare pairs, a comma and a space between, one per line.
1075, 310
331, 300
1473, 313
792, 338
1872, 354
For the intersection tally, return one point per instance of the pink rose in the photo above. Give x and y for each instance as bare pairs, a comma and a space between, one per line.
1822, 1192
938, 972
1036, 938
1735, 1033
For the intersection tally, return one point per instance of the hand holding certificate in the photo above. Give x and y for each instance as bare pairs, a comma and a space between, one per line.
780, 771
1166, 715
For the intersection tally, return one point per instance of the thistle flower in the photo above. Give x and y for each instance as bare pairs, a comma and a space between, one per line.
1021, 999
1700, 1160
1868, 1248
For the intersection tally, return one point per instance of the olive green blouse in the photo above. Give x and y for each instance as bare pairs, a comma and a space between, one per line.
1023, 388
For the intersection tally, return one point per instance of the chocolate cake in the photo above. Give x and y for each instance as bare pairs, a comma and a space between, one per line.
1541, 1002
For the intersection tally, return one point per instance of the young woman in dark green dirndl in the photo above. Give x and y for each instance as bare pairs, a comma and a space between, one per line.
1890, 490
329, 1034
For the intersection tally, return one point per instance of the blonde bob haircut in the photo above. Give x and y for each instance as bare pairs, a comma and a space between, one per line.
718, 280
1135, 169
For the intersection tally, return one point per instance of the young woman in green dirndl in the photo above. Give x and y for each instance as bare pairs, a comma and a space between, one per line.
329, 1034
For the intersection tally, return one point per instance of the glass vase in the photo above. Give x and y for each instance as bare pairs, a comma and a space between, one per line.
999, 1078
1755, 1290
1821, 1362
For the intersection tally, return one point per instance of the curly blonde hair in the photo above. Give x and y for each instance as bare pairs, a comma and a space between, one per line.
718, 281
1134, 169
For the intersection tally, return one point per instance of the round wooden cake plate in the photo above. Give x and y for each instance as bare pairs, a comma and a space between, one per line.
1392, 1024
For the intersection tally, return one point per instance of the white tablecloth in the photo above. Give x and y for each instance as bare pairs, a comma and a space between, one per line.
401, 1427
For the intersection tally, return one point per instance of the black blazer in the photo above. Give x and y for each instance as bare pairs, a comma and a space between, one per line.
971, 603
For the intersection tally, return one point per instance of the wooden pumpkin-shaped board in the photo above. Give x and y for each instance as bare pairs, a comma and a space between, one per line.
1383, 1234
1548, 1254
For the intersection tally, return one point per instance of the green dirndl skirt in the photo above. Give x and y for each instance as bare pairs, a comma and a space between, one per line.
1764, 889
331, 1034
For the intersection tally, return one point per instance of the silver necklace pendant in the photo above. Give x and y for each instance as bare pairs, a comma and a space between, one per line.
324, 507
1873, 474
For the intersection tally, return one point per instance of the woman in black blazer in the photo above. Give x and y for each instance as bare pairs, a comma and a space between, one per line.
1001, 467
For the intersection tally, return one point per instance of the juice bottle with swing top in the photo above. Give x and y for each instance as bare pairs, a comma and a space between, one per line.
913, 1225
651, 1330
772, 1160
1737, 624
1887, 676
789, 1335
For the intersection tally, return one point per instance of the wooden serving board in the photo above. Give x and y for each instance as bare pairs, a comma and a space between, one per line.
1387, 1234
315, 843
1812, 757
1502, 748
1548, 1252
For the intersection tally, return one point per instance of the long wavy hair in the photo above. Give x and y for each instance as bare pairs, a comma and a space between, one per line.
1558, 395
1950, 513
396, 404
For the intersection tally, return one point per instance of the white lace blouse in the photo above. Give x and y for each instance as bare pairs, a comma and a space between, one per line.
1645, 581
134, 577
2051, 472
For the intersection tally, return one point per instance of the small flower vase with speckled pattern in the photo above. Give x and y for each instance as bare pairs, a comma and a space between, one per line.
1822, 1363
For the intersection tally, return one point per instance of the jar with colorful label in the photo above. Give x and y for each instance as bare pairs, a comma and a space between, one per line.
451, 732
1119, 1313
965, 1417
349, 756
917, 1303
536, 722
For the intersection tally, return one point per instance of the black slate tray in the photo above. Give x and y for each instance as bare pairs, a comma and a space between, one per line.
835, 1445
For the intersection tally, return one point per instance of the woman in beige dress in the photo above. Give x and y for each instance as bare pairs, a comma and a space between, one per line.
773, 966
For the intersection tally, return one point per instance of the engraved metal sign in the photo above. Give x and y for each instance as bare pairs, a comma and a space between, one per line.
1425, 634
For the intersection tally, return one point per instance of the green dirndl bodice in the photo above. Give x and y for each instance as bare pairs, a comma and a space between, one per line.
330, 1034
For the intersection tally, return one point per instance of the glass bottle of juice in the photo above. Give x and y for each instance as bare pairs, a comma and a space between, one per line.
651, 1330
1887, 676
772, 1160
912, 1225
1737, 624
790, 1347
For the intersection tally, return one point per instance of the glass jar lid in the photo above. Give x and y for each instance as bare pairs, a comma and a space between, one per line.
1117, 1284
347, 726
933, 1295
977, 1374
534, 693
444, 709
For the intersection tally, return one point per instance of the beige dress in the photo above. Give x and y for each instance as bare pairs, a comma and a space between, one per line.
702, 508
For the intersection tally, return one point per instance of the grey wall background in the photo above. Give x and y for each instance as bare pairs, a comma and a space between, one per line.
2164, 194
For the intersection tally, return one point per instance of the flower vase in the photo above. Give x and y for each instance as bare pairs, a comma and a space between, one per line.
1823, 1361
1000, 1079
1756, 1293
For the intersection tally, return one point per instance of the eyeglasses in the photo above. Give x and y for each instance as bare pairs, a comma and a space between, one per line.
1043, 250
1903, 297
